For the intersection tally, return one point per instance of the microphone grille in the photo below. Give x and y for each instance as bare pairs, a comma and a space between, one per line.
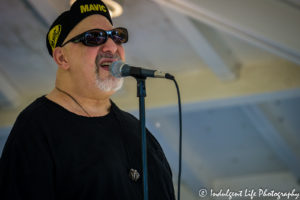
115, 68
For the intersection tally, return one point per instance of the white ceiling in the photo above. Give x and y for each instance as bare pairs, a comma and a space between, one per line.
237, 65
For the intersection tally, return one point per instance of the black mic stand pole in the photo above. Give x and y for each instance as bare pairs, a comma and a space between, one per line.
141, 93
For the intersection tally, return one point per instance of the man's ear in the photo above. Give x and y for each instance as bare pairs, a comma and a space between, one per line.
60, 58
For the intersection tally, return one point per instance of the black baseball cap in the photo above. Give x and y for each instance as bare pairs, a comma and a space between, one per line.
65, 22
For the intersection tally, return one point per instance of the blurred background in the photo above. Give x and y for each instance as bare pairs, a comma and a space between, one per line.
237, 63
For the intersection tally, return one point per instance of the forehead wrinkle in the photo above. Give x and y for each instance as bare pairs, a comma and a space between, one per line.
91, 22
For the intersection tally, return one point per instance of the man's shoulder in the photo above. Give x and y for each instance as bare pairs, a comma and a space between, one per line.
124, 114
34, 110
28, 120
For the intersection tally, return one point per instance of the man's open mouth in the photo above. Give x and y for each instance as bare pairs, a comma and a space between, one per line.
105, 65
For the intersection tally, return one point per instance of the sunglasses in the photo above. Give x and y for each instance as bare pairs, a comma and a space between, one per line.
96, 37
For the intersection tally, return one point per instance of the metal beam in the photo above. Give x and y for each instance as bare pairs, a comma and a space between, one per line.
226, 102
207, 45
279, 48
273, 138
43, 11
259, 82
36, 13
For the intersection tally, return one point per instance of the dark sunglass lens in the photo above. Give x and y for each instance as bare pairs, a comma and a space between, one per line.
94, 38
119, 35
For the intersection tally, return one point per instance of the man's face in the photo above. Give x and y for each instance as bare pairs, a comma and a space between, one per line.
89, 66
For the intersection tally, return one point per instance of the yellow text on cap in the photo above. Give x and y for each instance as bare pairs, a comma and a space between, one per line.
92, 7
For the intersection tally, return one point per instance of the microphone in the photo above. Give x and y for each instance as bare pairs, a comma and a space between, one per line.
120, 69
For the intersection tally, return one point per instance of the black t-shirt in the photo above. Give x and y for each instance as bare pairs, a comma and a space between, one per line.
52, 153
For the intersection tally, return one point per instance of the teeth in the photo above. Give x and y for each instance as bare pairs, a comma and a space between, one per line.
106, 64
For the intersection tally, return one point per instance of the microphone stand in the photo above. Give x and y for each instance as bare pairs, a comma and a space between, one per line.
141, 93
140, 75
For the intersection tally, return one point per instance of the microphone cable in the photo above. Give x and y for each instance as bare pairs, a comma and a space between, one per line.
169, 76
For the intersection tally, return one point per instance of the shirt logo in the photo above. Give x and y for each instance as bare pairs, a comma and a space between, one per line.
92, 7
54, 35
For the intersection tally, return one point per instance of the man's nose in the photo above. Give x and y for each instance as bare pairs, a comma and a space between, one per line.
109, 46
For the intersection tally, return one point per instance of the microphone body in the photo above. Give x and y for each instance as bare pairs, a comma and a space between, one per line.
120, 69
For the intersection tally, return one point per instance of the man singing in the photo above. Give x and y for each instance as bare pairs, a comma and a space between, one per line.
75, 143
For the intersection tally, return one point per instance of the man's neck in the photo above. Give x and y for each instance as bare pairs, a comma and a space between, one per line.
79, 104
